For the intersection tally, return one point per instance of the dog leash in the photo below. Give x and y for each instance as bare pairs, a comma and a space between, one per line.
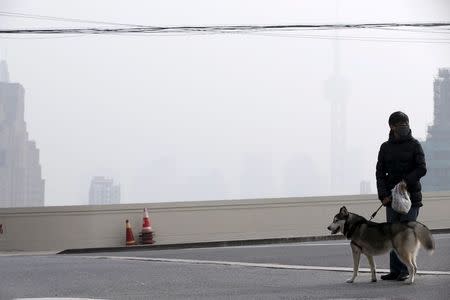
375, 213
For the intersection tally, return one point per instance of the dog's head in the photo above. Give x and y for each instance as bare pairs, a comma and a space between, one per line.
339, 221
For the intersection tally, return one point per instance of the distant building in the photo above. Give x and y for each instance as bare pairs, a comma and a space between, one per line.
364, 187
337, 91
437, 144
21, 183
103, 191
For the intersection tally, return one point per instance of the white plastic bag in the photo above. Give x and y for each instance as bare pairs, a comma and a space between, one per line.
401, 202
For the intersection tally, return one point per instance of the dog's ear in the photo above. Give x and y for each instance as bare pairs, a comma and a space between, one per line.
343, 211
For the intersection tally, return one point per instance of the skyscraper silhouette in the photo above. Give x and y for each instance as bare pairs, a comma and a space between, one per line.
21, 183
336, 91
103, 191
437, 144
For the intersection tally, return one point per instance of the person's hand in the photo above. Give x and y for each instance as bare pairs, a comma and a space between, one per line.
386, 200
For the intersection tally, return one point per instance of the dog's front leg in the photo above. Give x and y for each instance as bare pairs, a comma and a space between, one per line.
356, 251
372, 268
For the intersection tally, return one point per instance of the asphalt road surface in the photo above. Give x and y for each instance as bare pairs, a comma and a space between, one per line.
289, 271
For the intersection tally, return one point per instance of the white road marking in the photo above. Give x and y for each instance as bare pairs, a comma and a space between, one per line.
256, 265
324, 244
442, 237
57, 299
27, 253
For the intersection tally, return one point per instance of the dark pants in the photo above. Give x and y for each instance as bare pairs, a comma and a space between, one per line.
396, 266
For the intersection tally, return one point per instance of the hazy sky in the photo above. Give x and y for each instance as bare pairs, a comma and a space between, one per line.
197, 117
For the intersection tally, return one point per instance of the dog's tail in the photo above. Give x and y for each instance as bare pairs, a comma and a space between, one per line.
425, 237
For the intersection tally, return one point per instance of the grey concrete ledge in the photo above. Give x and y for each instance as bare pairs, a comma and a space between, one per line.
205, 244
236, 243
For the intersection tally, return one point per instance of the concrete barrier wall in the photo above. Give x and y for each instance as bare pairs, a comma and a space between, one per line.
59, 228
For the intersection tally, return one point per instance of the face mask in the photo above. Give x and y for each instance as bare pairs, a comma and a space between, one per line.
402, 131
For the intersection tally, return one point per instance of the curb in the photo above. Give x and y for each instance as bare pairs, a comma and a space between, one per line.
205, 244
217, 244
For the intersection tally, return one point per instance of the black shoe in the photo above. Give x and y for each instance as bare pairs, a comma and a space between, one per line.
402, 277
390, 276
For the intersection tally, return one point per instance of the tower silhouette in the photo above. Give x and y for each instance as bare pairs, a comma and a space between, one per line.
336, 91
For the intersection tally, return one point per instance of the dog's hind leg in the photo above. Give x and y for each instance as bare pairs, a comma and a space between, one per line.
372, 268
414, 257
414, 263
356, 251
407, 258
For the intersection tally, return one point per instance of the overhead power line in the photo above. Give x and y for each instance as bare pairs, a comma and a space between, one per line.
50, 18
84, 21
287, 30
223, 28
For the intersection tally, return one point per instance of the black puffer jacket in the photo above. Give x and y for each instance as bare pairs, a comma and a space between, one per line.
401, 159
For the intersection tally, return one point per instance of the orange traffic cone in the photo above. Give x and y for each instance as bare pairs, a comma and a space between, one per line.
147, 232
130, 238
146, 227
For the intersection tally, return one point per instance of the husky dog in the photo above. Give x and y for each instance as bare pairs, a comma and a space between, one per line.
373, 239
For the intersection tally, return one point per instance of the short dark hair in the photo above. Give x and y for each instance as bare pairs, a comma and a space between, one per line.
398, 117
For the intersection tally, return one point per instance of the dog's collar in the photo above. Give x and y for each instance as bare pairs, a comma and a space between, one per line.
348, 231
